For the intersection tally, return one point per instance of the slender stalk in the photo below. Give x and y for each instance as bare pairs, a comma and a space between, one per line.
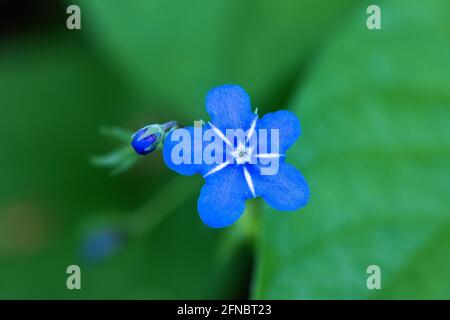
166, 200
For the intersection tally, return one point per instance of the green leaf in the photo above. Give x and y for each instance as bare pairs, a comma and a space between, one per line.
121, 159
180, 50
120, 134
375, 150
113, 158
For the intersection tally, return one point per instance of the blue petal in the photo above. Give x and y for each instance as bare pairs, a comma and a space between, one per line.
191, 168
222, 199
286, 191
229, 107
287, 124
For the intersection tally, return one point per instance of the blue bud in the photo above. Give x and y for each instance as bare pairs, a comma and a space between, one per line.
147, 139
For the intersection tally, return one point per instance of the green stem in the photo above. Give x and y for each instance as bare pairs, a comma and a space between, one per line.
166, 200
169, 126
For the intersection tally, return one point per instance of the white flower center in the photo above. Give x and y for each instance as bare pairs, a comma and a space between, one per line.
242, 154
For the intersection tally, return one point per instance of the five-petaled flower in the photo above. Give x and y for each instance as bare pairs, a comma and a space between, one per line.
229, 184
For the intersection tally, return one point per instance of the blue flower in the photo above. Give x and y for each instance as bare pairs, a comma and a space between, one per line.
242, 174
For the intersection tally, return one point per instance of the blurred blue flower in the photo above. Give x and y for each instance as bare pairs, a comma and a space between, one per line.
244, 172
102, 244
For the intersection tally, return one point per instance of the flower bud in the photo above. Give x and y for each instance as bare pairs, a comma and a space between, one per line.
147, 139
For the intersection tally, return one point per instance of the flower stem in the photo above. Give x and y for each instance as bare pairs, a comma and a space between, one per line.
160, 205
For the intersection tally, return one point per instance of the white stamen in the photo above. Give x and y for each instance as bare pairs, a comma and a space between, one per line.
269, 155
249, 180
220, 134
251, 131
242, 154
217, 168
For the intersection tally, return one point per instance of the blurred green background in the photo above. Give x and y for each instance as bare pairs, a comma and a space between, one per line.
375, 149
